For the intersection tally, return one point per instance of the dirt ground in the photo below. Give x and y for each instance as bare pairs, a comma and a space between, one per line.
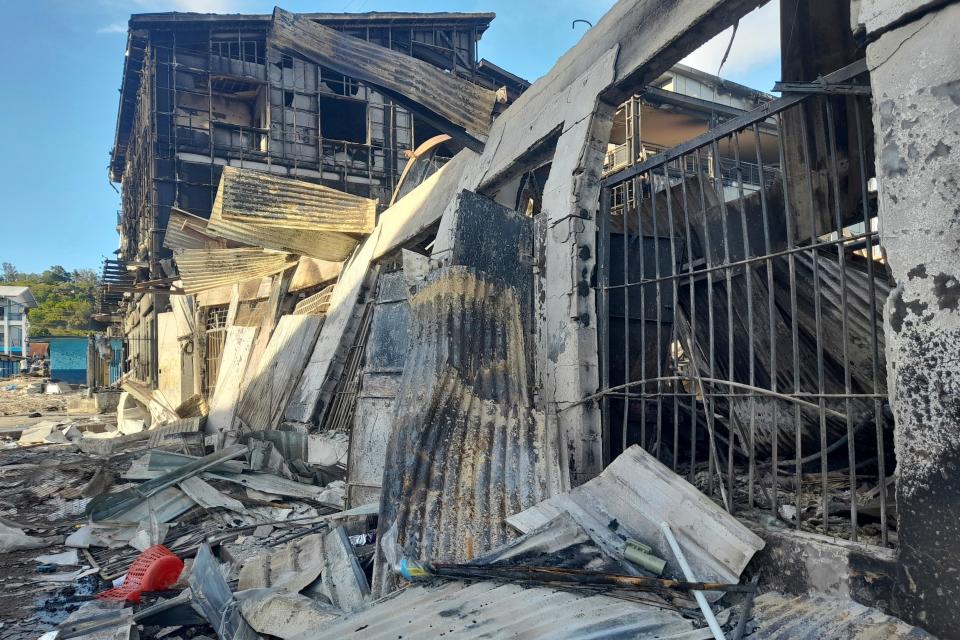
17, 402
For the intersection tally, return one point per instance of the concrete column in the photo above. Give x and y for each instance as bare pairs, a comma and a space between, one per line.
915, 71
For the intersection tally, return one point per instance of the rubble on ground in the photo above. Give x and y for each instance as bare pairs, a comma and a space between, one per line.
342, 420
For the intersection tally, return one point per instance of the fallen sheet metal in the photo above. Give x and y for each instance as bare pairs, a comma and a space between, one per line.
261, 198
213, 597
289, 568
204, 269
113, 504
325, 450
344, 582
258, 209
208, 497
187, 231
162, 435
165, 505
167, 461
561, 542
631, 498
100, 620
456, 106
489, 610
284, 615
268, 483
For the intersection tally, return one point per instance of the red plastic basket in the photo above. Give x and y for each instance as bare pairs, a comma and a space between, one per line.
155, 569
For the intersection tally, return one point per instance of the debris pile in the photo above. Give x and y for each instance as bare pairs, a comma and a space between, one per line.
339, 418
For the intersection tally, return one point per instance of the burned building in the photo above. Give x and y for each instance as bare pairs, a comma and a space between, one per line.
203, 92
585, 312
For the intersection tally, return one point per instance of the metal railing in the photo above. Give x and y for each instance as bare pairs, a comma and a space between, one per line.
216, 339
742, 340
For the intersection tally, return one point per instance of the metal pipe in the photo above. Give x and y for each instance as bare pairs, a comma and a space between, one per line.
688, 575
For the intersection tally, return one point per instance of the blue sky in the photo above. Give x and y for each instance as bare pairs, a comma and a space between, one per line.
62, 66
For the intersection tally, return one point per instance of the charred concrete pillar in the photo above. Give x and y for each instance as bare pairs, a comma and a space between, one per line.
915, 70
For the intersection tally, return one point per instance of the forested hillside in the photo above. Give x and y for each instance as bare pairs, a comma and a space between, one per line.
65, 299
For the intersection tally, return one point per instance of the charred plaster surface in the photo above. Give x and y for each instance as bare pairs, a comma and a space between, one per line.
915, 72
879, 15
809, 564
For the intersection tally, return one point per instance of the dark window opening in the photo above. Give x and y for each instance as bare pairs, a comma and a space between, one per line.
344, 120
530, 194
338, 83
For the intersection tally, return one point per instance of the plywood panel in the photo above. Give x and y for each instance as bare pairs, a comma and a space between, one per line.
270, 381
233, 366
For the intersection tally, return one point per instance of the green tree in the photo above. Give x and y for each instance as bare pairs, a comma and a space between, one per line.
64, 299
9, 272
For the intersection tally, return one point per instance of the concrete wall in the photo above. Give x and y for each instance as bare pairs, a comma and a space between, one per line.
915, 70
175, 371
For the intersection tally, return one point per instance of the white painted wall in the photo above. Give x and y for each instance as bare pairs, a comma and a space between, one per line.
20, 325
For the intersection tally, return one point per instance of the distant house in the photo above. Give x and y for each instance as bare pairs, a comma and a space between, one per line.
14, 325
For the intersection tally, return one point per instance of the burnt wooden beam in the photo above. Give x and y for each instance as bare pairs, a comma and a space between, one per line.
458, 107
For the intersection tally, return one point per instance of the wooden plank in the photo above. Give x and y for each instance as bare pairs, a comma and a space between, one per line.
336, 337
233, 367
638, 493
272, 379
463, 106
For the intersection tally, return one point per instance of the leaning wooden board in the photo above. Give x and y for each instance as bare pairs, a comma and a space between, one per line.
233, 366
271, 380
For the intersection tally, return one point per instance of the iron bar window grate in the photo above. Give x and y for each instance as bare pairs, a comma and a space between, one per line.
741, 292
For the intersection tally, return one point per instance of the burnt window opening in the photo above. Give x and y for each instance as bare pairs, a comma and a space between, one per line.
530, 193
238, 49
338, 83
233, 115
344, 120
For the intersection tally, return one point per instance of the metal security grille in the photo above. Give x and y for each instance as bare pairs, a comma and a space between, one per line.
740, 293
216, 334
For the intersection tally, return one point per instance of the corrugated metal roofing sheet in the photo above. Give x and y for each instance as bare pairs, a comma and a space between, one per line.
187, 231
202, 269
465, 451
786, 617
241, 215
260, 198
420, 85
490, 610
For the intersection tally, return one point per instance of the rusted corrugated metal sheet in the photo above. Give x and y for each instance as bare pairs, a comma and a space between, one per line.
467, 107
490, 610
202, 269
257, 209
777, 616
260, 198
187, 231
465, 448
